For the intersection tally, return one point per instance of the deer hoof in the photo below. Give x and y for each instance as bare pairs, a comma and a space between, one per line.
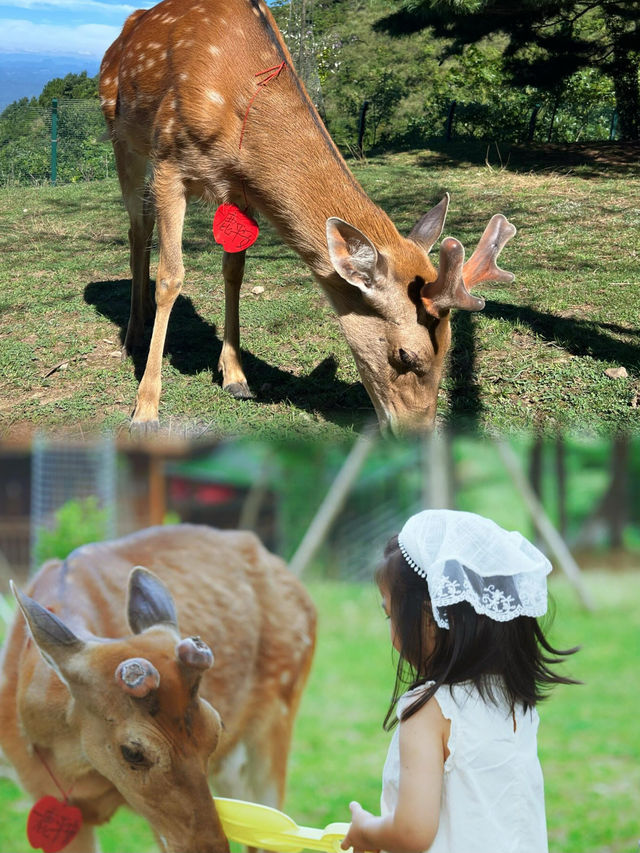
239, 390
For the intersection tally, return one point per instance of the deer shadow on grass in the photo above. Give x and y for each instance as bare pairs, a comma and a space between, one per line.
193, 345
578, 337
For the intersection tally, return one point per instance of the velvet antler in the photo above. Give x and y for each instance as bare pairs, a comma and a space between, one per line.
481, 266
448, 290
137, 676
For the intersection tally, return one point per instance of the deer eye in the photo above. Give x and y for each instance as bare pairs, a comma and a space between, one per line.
134, 757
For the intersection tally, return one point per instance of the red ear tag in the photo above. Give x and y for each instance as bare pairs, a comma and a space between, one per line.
53, 824
233, 229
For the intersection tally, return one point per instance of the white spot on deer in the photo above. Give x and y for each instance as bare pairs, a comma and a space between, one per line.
285, 677
215, 97
154, 45
184, 76
168, 128
150, 63
163, 55
213, 50
107, 81
255, 11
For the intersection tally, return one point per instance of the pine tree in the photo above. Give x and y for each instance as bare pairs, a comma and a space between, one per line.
547, 40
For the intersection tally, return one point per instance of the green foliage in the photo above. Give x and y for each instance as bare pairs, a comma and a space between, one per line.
77, 522
71, 87
545, 45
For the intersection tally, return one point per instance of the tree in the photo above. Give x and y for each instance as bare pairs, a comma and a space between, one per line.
548, 41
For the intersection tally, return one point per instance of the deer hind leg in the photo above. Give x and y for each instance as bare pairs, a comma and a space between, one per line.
132, 170
230, 363
171, 203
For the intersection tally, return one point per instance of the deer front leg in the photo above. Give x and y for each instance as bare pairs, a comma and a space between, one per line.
230, 363
171, 204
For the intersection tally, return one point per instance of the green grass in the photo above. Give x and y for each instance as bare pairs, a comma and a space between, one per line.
589, 740
536, 356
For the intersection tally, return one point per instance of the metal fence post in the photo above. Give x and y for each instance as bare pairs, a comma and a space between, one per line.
54, 141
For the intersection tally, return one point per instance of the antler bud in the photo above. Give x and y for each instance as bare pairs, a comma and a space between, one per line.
192, 652
137, 676
448, 290
481, 266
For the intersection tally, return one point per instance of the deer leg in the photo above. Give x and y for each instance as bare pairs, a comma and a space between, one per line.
230, 363
132, 170
171, 203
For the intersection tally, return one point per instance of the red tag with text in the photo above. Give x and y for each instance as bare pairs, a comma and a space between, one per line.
53, 824
233, 229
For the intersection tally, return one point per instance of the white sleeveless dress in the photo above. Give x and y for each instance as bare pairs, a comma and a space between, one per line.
492, 791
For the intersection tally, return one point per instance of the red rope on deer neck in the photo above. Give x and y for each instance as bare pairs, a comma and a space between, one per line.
234, 229
52, 824
271, 73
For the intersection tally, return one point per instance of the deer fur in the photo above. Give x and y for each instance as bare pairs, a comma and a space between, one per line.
178, 90
96, 679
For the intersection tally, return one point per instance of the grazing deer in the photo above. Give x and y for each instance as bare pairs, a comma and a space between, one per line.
102, 695
183, 86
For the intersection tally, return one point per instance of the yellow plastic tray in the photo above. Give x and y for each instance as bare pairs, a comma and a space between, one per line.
257, 825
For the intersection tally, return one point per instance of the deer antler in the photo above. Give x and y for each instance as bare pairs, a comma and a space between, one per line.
192, 652
137, 676
448, 290
481, 266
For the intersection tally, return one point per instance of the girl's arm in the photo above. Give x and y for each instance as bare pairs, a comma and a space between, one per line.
412, 827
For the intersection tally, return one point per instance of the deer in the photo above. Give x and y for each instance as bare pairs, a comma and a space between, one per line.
205, 92
102, 694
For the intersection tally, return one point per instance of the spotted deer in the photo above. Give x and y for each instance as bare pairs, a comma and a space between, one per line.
180, 88
101, 692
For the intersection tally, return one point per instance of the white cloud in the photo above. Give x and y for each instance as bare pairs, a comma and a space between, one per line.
83, 39
93, 7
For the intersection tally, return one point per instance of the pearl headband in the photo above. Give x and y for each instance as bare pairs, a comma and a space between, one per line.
465, 557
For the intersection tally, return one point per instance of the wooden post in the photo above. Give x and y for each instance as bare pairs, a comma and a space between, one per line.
532, 123
332, 503
547, 531
361, 126
157, 490
449, 125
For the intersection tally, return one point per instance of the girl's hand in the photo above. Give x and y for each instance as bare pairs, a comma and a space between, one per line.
357, 836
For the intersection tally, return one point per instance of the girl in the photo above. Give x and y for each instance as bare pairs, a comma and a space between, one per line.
462, 772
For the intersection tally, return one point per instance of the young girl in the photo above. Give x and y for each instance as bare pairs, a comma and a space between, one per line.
462, 774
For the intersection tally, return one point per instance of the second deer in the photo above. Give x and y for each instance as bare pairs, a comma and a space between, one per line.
103, 698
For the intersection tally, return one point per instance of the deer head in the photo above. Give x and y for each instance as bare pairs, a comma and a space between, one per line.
135, 706
396, 313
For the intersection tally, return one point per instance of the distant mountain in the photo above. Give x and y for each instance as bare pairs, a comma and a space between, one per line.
23, 75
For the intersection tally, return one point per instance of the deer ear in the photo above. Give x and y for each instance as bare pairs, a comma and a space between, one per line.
353, 255
427, 230
56, 642
149, 602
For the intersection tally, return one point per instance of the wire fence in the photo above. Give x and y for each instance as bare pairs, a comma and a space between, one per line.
65, 142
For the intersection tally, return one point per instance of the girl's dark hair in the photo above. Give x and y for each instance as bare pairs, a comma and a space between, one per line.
507, 661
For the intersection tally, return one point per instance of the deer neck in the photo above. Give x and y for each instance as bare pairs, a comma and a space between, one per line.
302, 180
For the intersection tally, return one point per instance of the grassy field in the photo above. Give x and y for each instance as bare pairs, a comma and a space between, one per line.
536, 356
589, 740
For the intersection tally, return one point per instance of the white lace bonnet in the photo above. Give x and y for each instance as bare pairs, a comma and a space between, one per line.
465, 557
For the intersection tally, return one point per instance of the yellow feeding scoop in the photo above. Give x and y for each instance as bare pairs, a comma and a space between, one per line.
261, 826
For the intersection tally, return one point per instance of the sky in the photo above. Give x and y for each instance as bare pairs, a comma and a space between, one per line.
66, 27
